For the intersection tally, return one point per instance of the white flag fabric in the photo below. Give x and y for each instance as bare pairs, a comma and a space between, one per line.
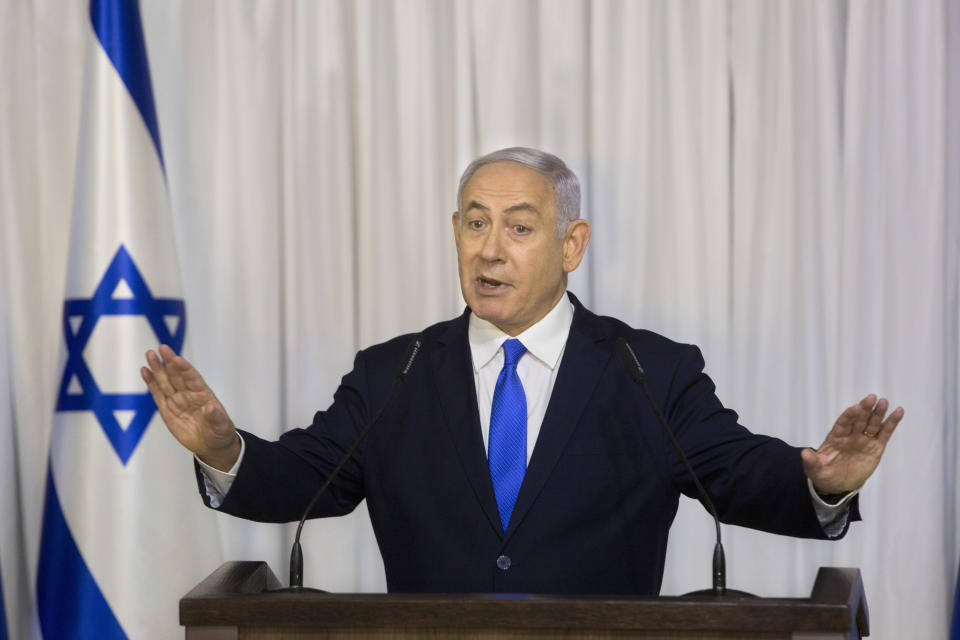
124, 533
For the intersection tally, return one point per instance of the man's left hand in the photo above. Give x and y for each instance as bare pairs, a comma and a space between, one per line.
853, 447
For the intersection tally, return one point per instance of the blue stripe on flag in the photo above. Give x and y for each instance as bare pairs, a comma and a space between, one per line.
69, 602
117, 25
955, 627
3, 619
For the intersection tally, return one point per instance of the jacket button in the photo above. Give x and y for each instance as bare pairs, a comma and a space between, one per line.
503, 563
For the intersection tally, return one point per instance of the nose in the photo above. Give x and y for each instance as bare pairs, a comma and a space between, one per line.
492, 249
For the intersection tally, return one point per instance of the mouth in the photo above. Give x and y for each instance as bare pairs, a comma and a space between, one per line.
484, 283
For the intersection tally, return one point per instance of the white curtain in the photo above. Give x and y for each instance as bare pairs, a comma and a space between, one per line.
776, 181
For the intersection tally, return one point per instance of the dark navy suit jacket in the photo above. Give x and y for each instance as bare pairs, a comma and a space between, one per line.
601, 488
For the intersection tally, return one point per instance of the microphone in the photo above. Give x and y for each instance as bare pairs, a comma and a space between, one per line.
719, 561
296, 553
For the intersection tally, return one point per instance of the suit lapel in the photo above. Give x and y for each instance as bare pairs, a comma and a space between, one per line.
580, 370
452, 365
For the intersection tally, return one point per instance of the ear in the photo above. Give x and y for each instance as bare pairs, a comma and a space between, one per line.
455, 219
575, 241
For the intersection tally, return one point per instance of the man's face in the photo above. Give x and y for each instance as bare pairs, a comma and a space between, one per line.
513, 267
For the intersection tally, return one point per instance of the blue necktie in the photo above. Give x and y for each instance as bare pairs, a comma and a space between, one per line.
507, 447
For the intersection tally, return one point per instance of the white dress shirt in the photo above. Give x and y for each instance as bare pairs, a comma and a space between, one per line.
537, 369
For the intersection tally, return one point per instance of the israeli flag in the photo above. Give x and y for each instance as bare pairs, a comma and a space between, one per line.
124, 533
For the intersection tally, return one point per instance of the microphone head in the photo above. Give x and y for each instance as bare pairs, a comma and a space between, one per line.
630, 361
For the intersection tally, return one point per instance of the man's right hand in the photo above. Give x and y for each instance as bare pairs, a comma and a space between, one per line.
190, 409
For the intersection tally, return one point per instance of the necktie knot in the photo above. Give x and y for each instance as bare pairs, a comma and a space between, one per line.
513, 349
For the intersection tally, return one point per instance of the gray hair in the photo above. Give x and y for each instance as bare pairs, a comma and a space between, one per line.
566, 187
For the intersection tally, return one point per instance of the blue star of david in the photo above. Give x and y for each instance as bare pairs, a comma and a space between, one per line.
91, 398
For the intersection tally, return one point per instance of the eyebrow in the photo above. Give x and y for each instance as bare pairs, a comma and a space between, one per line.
520, 206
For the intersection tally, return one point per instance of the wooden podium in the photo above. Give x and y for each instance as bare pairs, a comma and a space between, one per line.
236, 603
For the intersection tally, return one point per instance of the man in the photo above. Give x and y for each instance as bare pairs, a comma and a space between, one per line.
519, 456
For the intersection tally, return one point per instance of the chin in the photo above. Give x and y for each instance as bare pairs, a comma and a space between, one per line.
486, 311
490, 313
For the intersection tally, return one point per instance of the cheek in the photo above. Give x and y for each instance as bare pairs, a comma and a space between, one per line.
464, 255
539, 273
550, 265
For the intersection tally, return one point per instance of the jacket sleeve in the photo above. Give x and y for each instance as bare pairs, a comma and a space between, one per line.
753, 480
276, 480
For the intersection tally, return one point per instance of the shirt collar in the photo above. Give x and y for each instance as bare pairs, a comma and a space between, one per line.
544, 340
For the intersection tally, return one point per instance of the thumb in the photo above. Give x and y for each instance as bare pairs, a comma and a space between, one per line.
811, 462
215, 416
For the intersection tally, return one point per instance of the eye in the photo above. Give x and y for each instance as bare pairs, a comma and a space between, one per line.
520, 228
475, 224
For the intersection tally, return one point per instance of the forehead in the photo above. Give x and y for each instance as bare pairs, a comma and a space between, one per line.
503, 184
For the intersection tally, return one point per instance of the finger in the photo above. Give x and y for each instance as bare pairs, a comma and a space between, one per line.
148, 378
886, 430
175, 366
844, 424
159, 374
192, 379
864, 411
875, 419
158, 398
854, 417
183, 374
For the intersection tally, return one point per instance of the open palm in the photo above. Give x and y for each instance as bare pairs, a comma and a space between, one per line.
189, 408
853, 448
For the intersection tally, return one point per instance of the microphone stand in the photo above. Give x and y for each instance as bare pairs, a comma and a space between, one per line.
719, 589
296, 553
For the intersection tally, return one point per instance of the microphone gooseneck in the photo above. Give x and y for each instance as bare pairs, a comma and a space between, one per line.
640, 378
296, 553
